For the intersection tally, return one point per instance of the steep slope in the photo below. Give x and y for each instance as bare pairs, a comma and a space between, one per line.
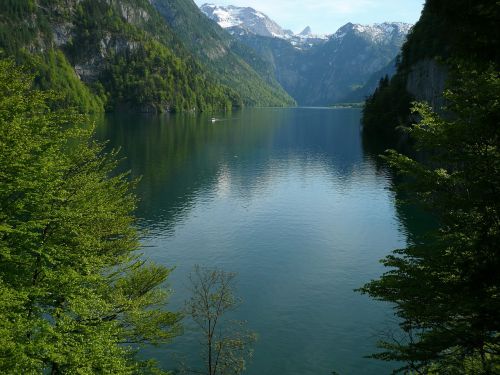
348, 60
231, 62
361, 93
447, 35
118, 54
329, 71
288, 63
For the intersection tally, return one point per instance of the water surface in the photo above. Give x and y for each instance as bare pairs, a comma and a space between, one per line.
288, 200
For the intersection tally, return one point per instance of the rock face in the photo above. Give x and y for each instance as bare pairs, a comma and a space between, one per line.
426, 82
90, 60
306, 32
108, 54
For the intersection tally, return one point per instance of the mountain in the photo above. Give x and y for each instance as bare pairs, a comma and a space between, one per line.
246, 18
315, 69
329, 72
348, 59
361, 93
124, 55
231, 62
448, 35
306, 32
248, 21
115, 55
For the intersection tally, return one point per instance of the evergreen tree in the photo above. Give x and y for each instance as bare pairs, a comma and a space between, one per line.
446, 286
75, 297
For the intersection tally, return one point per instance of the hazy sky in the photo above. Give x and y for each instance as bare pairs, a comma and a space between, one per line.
326, 16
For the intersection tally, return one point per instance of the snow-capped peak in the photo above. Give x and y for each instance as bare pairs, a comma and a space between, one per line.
307, 36
378, 32
248, 21
246, 18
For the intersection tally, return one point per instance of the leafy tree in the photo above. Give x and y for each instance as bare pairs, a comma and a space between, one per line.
75, 297
227, 345
446, 286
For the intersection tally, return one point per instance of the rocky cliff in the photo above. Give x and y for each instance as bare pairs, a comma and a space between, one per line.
426, 81
448, 36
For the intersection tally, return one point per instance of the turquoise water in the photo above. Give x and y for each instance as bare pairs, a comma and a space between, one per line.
289, 200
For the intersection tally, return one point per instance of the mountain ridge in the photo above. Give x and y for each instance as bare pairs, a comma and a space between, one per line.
124, 55
315, 70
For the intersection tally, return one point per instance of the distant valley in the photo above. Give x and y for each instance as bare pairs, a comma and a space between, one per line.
171, 55
317, 69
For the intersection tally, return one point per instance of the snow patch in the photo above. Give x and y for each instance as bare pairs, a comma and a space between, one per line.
251, 21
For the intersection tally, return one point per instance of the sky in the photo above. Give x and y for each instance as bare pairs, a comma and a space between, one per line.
326, 16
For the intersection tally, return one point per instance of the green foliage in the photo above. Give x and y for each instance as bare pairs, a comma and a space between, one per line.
227, 345
460, 29
54, 72
234, 64
15, 29
446, 286
254, 91
448, 31
152, 76
75, 297
128, 57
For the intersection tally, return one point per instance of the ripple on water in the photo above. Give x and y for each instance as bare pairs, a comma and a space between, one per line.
287, 199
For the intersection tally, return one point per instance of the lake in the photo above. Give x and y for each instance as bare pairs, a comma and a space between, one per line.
290, 201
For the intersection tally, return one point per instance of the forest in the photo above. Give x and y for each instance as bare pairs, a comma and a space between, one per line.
137, 63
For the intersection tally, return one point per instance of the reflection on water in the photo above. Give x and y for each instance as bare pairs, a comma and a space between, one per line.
287, 199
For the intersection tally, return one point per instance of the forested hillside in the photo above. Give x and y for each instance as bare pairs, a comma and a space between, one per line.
448, 35
117, 55
236, 65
